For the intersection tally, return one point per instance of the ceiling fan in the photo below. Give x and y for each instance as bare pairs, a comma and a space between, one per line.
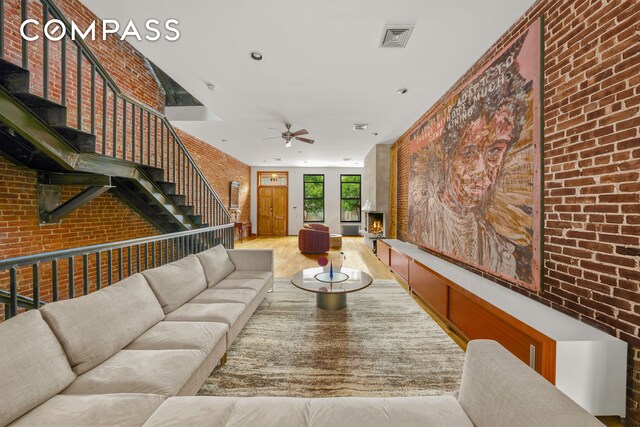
288, 136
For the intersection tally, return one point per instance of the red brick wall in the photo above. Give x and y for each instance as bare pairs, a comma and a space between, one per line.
591, 166
220, 169
104, 219
125, 64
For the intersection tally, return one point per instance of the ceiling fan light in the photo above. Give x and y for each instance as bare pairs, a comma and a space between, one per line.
288, 144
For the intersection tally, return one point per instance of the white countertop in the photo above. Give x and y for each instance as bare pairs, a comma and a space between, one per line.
552, 323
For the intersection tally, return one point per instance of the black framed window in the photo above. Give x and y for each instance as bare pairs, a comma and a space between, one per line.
350, 193
313, 198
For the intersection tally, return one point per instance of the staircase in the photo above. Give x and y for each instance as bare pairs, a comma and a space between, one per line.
94, 135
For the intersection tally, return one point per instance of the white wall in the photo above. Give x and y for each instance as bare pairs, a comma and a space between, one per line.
331, 195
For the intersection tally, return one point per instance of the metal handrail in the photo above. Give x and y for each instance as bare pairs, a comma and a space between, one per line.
25, 302
25, 260
141, 254
84, 50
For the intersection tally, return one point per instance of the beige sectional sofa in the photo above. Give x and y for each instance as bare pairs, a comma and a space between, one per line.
113, 356
124, 355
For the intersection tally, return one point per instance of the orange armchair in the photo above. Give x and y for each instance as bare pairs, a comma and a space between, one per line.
314, 239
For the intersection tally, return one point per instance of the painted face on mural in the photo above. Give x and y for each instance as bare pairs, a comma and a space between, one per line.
476, 160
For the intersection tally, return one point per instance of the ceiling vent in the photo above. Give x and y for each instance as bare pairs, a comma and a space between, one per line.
360, 126
396, 35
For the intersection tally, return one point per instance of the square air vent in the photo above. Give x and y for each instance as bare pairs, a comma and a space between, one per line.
396, 35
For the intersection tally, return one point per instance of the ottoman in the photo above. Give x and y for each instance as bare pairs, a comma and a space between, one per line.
335, 240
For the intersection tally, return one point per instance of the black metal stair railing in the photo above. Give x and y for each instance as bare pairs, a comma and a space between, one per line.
110, 122
73, 272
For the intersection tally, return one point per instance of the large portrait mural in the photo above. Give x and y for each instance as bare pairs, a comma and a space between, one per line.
474, 186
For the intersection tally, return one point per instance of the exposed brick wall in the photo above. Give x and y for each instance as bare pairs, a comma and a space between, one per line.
591, 166
125, 64
104, 219
220, 169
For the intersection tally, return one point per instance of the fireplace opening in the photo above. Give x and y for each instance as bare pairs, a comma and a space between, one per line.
375, 222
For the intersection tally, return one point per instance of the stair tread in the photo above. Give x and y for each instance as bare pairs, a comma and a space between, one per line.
151, 168
73, 130
7, 65
13, 77
156, 173
32, 100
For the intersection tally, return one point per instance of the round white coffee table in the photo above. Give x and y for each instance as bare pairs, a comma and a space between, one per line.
331, 291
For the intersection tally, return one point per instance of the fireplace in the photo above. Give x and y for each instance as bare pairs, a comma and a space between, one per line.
375, 223
374, 227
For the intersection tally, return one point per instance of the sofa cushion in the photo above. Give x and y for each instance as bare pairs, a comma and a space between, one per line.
168, 335
251, 274
220, 312
92, 410
298, 412
499, 389
396, 411
241, 321
252, 259
161, 372
255, 284
33, 366
216, 263
94, 327
177, 282
214, 295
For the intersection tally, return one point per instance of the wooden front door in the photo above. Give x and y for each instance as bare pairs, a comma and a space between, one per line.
272, 211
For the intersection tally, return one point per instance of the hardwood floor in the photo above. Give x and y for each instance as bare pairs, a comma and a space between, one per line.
289, 259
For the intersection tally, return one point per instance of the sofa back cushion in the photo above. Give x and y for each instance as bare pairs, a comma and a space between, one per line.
177, 282
33, 366
94, 327
216, 263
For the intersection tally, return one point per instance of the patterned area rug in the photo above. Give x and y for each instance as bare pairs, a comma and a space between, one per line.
382, 344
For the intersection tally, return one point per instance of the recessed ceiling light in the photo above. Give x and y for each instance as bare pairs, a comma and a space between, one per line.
256, 56
402, 91
211, 86
360, 126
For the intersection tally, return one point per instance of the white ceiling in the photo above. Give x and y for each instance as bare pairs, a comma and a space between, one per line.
322, 70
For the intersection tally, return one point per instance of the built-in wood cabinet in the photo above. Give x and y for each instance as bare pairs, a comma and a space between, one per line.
400, 263
585, 363
430, 288
383, 252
